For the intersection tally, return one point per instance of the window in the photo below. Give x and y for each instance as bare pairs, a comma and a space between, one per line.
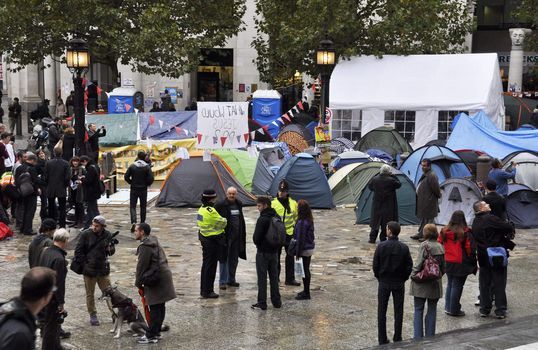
347, 123
443, 123
403, 121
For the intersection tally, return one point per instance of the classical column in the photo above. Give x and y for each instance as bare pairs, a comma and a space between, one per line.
30, 92
50, 83
515, 75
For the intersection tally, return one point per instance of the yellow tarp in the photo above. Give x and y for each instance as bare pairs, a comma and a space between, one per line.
163, 156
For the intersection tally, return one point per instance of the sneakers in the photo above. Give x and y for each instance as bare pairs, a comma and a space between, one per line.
94, 321
259, 306
483, 314
145, 340
501, 316
477, 302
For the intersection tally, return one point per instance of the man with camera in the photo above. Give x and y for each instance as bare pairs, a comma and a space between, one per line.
94, 247
53, 257
93, 140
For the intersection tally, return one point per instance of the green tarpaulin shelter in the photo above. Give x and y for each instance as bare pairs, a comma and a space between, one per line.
121, 129
241, 164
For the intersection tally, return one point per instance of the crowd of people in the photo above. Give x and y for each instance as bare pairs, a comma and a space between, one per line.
457, 250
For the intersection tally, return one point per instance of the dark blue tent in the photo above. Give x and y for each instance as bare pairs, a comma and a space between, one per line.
521, 208
445, 163
306, 181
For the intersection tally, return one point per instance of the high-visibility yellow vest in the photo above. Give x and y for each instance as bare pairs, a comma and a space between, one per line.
210, 222
289, 217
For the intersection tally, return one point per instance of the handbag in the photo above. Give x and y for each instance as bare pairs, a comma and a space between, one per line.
430, 268
497, 257
292, 247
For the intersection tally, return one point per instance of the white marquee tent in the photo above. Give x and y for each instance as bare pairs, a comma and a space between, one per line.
425, 84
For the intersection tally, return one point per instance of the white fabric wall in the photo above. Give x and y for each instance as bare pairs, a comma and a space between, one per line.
426, 127
371, 119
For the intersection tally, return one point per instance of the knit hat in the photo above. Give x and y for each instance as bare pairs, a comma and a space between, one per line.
210, 193
100, 220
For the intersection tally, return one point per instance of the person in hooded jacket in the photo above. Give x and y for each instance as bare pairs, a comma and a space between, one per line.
140, 177
68, 144
41, 241
460, 258
304, 235
152, 260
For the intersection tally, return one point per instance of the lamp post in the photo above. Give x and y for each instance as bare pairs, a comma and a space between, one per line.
78, 61
325, 59
296, 81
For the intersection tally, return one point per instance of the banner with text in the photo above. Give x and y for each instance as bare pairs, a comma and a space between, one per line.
222, 125
163, 156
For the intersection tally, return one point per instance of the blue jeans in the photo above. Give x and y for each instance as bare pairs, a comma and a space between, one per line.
418, 321
223, 272
454, 289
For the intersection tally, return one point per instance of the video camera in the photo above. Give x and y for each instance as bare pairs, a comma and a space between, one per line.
61, 317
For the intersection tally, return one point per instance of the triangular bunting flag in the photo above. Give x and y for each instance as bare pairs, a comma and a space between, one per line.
295, 109
186, 132
199, 138
246, 137
136, 111
161, 124
223, 140
285, 116
280, 120
261, 131
275, 123
107, 94
151, 120
253, 135
178, 130
238, 139
300, 105
290, 114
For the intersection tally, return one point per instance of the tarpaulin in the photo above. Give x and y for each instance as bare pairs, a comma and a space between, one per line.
120, 104
266, 111
121, 128
167, 125
470, 134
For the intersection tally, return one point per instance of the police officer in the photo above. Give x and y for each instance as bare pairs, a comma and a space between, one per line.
286, 208
211, 234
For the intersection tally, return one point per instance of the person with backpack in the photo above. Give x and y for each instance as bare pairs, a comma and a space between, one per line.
460, 258
211, 235
18, 316
154, 277
303, 234
27, 182
267, 253
286, 208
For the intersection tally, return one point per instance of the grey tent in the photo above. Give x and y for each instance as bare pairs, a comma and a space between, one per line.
457, 194
406, 197
269, 162
522, 208
341, 144
306, 181
527, 167
386, 139
185, 184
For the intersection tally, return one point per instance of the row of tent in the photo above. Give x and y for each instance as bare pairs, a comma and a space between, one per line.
261, 174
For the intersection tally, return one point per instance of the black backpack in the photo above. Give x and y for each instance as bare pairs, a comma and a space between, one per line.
276, 234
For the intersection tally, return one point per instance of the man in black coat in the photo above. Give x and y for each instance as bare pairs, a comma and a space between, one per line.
385, 203
53, 257
17, 317
57, 175
14, 115
140, 177
489, 231
92, 192
428, 194
96, 266
41, 241
496, 202
392, 266
26, 173
266, 256
232, 209
93, 140
55, 133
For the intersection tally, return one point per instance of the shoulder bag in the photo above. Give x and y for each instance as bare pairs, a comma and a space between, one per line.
430, 268
77, 265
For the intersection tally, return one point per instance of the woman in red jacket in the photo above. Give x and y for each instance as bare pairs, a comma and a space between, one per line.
460, 259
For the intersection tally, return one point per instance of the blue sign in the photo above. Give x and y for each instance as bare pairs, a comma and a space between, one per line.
172, 91
265, 111
120, 104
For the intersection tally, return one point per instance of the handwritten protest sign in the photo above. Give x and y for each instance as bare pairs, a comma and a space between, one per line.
222, 125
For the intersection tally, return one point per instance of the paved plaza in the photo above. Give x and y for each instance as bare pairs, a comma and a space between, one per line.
341, 315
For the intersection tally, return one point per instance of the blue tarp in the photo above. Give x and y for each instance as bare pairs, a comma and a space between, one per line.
306, 181
265, 111
472, 134
163, 125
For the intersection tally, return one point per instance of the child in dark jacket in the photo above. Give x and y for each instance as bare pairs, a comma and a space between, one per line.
304, 235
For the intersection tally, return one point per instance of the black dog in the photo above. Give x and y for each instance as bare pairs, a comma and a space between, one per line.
126, 311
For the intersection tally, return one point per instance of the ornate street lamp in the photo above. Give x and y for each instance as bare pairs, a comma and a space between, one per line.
297, 82
325, 59
78, 62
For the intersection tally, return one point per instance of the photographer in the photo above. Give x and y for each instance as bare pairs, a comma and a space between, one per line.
93, 140
53, 257
94, 247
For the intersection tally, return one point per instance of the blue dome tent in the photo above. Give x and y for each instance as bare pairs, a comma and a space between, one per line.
445, 163
306, 181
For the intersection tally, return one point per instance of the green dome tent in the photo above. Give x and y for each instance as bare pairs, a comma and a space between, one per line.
241, 164
386, 139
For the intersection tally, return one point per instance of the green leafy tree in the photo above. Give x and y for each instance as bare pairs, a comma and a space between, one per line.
527, 13
153, 36
289, 31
